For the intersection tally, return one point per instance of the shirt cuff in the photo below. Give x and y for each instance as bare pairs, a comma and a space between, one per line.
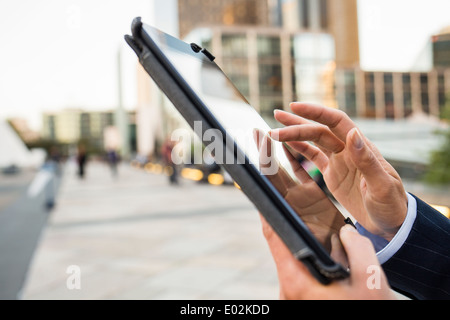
386, 249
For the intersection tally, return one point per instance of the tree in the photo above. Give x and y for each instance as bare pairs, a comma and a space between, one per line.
439, 168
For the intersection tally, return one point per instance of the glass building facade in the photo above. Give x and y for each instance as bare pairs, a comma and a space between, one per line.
441, 50
272, 67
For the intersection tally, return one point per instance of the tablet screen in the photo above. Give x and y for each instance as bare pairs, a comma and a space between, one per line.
224, 101
248, 130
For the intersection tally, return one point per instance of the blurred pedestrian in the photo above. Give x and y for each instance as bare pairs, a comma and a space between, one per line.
55, 159
81, 161
113, 160
166, 153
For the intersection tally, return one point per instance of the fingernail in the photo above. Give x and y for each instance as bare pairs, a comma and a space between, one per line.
358, 141
274, 134
348, 228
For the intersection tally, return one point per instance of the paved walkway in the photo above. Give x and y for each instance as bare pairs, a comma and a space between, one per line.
24, 200
137, 237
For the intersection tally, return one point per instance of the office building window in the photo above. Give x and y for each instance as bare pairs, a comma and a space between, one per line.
346, 91
85, 125
350, 94
388, 79
312, 53
350, 103
237, 71
234, 45
441, 81
304, 13
269, 73
441, 92
270, 79
407, 97
268, 105
424, 92
441, 51
339, 85
370, 95
269, 47
425, 102
407, 103
389, 104
323, 14
389, 95
406, 78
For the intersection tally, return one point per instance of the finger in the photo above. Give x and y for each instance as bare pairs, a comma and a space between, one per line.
299, 171
366, 161
338, 122
360, 252
337, 251
289, 119
276, 245
290, 270
271, 169
318, 134
310, 152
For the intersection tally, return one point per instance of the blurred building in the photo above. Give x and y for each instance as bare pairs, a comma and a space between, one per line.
193, 14
14, 153
336, 17
441, 49
70, 126
279, 51
397, 95
271, 66
271, 57
391, 95
22, 127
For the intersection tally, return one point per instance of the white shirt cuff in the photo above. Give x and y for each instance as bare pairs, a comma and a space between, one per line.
402, 234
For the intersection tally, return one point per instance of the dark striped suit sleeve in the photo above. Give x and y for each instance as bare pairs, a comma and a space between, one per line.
421, 267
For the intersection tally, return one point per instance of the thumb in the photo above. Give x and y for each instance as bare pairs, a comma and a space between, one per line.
365, 270
360, 251
366, 161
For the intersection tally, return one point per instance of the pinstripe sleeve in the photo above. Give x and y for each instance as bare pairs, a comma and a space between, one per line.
420, 268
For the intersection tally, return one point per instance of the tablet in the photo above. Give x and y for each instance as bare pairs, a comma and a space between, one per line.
236, 135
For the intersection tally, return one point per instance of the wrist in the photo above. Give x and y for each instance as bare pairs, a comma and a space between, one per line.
402, 234
400, 216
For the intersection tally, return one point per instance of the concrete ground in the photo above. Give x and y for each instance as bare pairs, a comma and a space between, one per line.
25, 200
137, 237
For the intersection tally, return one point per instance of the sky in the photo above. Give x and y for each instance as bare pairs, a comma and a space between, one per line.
57, 54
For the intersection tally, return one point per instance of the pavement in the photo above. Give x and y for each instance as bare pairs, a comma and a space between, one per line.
25, 199
135, 236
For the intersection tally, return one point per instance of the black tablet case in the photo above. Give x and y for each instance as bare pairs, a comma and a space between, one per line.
263, 201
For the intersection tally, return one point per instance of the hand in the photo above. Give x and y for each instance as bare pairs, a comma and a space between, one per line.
354, 170
306, 198
367, 279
